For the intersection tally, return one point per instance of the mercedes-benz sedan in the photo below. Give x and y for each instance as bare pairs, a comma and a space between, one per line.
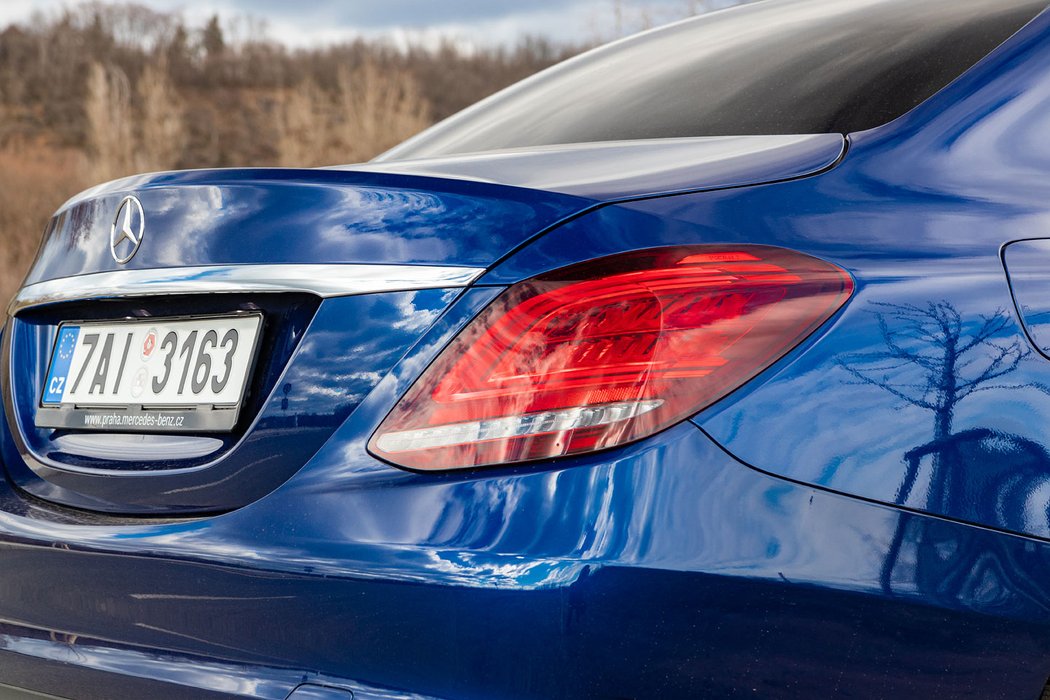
711, 363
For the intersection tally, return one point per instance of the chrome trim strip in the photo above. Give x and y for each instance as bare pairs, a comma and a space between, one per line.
322, 280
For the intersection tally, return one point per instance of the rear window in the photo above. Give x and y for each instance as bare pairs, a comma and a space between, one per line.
774, 67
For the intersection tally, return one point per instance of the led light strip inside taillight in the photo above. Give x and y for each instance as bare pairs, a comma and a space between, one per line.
608, 352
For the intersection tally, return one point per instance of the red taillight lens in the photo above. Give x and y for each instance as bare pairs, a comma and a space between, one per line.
607, 352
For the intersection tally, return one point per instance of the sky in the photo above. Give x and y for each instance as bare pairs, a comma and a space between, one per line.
310, 22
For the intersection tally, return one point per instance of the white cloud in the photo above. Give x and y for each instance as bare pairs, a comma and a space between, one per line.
333, 22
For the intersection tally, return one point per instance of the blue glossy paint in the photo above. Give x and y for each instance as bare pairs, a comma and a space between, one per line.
666, 569
869, 518
243, 216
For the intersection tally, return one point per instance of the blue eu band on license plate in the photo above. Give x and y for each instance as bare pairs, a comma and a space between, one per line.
63, 356
150, 376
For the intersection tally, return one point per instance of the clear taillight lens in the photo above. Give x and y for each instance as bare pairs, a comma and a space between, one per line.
607, 352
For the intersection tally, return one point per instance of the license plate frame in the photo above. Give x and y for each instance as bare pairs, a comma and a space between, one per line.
149, 417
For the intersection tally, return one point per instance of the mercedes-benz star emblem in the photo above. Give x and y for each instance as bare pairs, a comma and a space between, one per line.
126, 235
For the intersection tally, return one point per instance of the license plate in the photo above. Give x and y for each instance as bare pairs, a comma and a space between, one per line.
150, 376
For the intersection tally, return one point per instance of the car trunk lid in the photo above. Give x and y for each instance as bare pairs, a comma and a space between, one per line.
348, 268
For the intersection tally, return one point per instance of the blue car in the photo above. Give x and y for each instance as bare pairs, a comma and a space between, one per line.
713, 363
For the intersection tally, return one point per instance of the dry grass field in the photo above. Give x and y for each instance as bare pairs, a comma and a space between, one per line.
34, 181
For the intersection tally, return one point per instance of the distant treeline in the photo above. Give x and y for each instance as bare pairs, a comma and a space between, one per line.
98, 76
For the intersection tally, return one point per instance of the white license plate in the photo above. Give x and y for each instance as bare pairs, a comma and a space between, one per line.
150, 376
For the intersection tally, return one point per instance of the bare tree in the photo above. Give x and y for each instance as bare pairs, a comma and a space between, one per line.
953, 360
933, 358
109, 121
305, 138
378, 107
213, 40
161, 131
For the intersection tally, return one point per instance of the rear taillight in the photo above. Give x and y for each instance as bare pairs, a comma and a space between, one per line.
606, 352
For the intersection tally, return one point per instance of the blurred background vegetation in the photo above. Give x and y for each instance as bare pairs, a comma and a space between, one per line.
102, 90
